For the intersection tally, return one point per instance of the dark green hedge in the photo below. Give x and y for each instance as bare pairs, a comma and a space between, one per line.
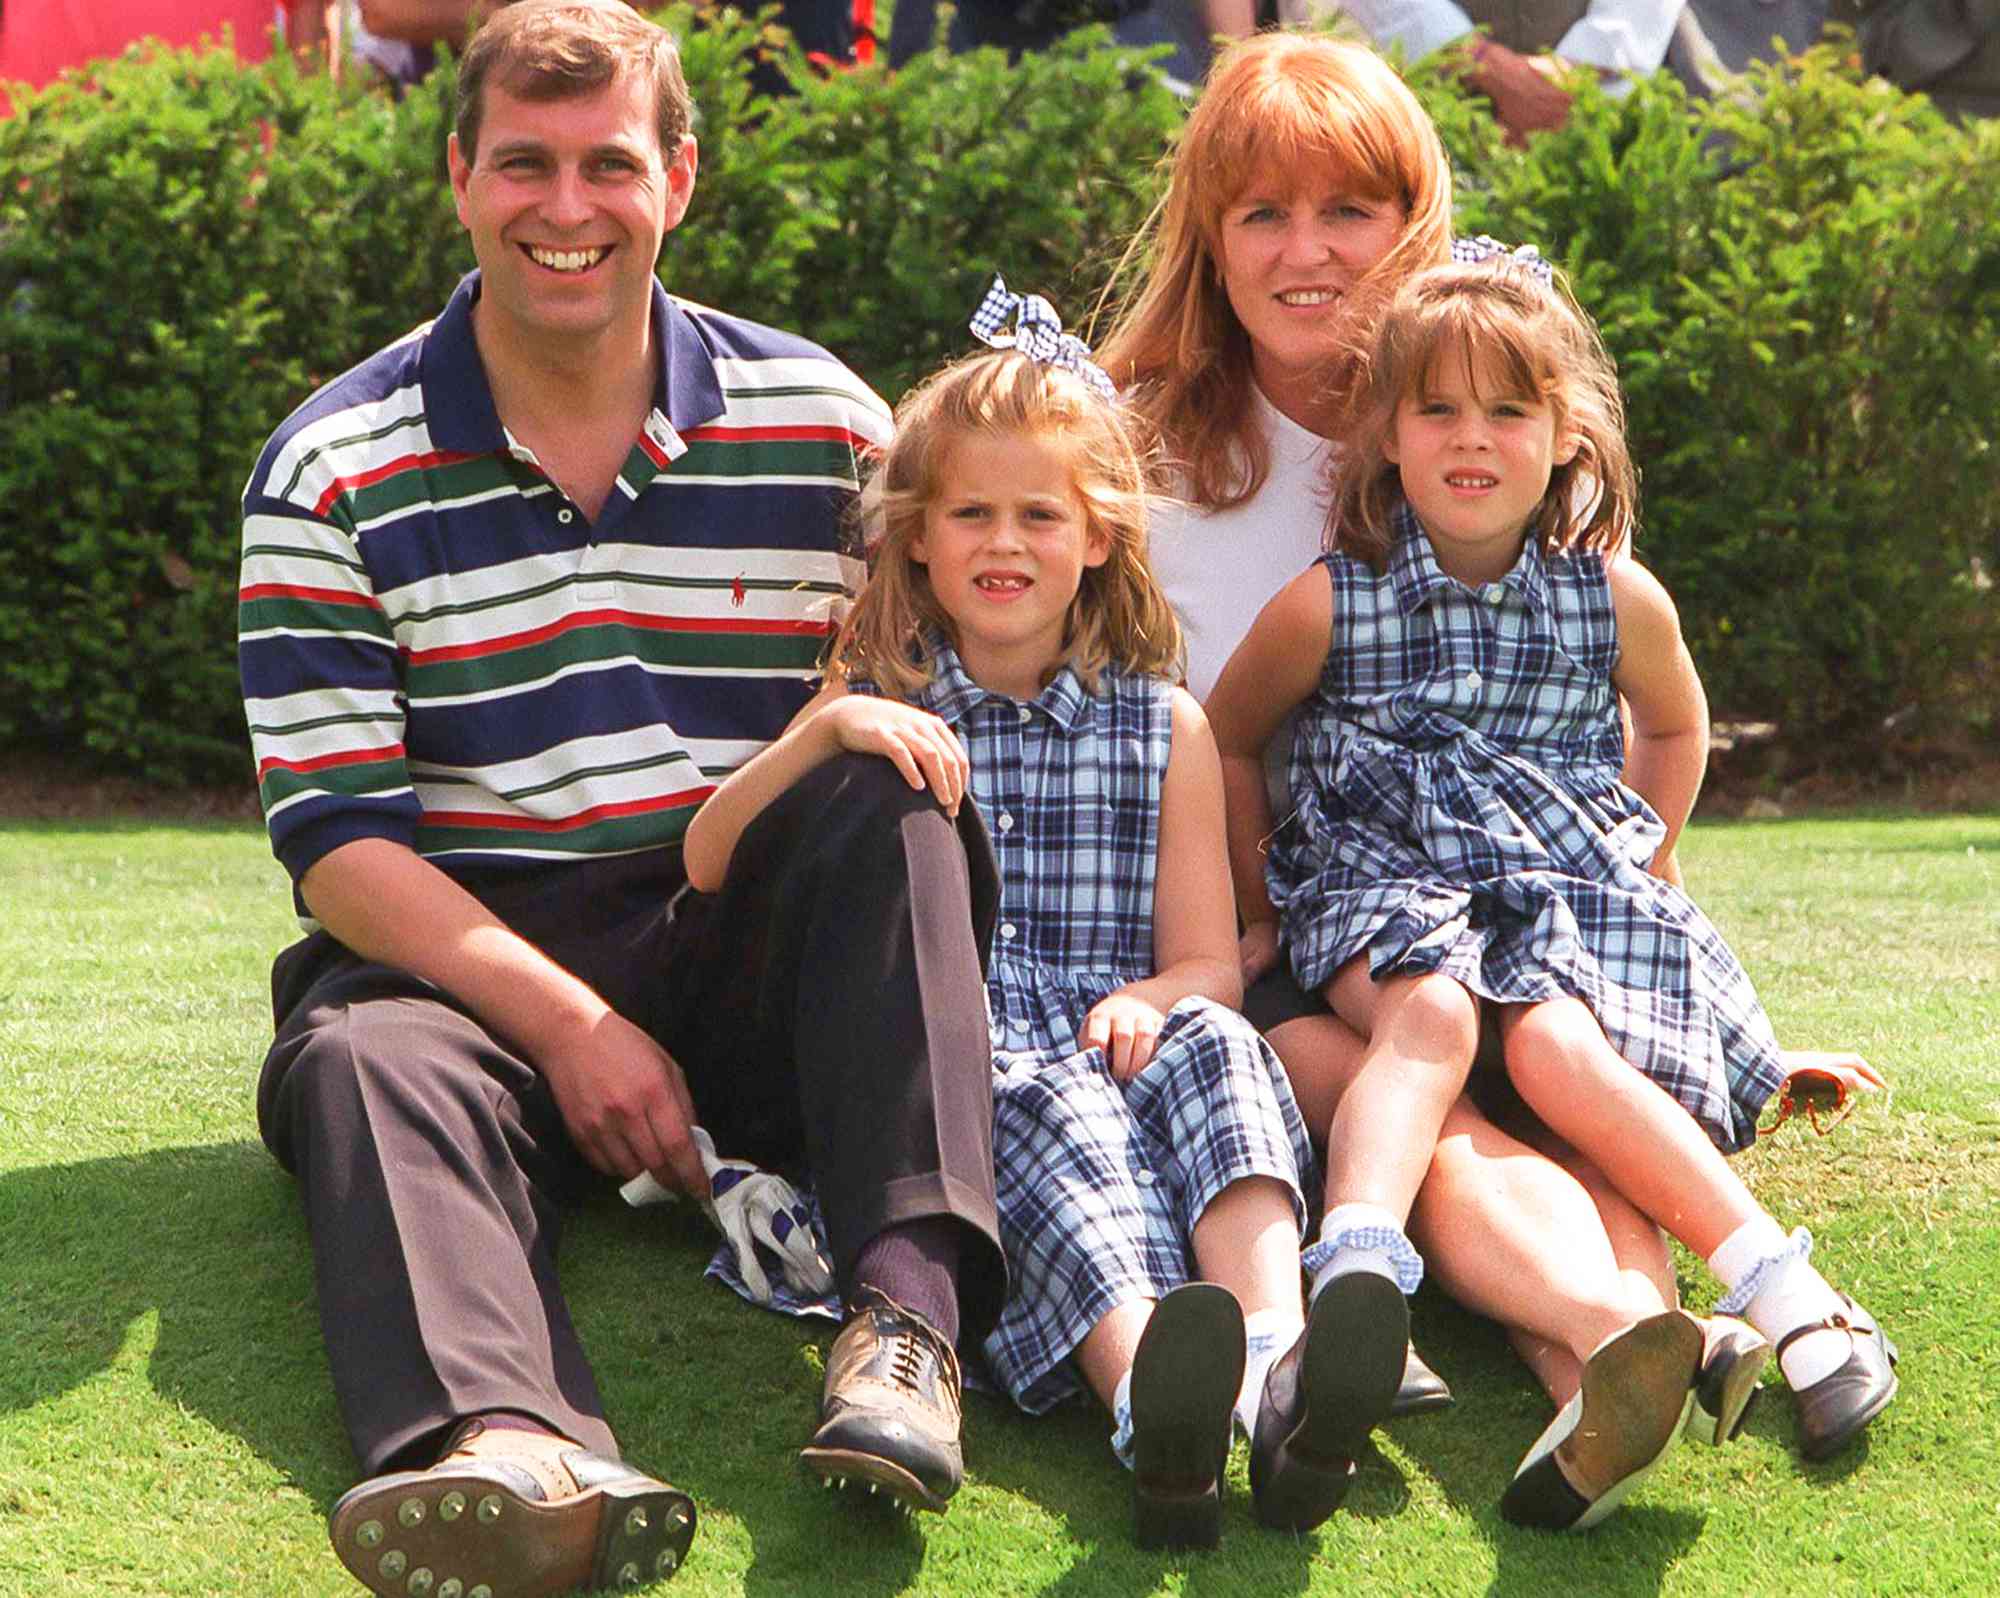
1808, 342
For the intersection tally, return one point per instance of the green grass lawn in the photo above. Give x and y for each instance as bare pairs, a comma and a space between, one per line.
166, 1424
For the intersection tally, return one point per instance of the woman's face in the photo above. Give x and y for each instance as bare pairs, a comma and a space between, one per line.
1292, 250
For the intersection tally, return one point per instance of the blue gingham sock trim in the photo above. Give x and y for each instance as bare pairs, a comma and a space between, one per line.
1404, 1259
1738, 1298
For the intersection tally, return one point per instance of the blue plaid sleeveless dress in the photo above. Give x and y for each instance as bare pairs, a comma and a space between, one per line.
1458, 808
1099, 1185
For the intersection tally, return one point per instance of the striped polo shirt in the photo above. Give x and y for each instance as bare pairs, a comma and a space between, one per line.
439, 649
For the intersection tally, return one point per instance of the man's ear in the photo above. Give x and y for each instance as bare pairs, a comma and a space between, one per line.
461, 175
680, 180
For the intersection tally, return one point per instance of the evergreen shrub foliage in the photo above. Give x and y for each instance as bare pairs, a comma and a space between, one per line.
1801, 287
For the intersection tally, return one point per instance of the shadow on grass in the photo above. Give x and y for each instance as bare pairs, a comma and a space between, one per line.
210, 1241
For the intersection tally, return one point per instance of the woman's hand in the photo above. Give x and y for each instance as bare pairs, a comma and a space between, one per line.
915, 742
1258, 950
1126, 1027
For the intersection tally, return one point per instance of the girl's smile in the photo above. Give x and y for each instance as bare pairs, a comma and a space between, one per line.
1475, 461
1290, 250
1006, 540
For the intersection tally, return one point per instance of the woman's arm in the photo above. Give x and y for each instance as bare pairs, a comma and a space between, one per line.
920, 746
1667, 750
1272, 671
1194, 932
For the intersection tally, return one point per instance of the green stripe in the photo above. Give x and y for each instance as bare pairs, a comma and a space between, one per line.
429, 487
805, 457
300, 615
355, 781
603, 837
582, 646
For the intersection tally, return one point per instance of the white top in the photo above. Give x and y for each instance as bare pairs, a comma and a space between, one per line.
1220, 568
1624, 36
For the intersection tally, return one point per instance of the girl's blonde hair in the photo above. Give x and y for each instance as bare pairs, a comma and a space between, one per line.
1275, 103
1539, 344
1119, 616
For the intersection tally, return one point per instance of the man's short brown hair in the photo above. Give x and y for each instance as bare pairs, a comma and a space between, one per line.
563, 49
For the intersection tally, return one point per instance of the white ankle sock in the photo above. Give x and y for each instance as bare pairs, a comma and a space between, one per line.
1343, 1229
1267, 1333
1785, 1292
1121, 1421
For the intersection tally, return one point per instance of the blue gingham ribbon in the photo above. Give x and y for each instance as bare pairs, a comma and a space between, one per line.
1037, 334
1470, 252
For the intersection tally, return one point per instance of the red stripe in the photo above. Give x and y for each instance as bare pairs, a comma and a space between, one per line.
323, 596
402, 463
583, 818
620, 618
777, 435
345, 757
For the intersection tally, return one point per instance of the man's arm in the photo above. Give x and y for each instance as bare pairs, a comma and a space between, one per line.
323, 694
425, 21
621, 1096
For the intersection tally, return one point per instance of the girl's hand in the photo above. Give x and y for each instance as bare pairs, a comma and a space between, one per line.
1854, 1074
1257, 949
915, 742
1126, 1028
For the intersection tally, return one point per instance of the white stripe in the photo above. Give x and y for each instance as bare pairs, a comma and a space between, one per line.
405, 405
305, 794
310, 704
778, 586
299, 538
262, 633
431, 507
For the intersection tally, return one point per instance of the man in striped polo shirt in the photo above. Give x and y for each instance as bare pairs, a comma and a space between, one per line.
517, 592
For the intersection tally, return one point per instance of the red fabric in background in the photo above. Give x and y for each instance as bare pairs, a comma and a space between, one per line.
39, 38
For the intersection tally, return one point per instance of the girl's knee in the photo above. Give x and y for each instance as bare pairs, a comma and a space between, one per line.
1438, 1012
1549, 1046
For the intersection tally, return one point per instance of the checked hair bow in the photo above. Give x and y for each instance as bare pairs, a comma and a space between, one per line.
1472, 251
1037, 334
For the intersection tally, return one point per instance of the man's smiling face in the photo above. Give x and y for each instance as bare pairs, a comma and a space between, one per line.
568, 202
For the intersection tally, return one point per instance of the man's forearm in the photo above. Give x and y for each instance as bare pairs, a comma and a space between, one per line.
388, 904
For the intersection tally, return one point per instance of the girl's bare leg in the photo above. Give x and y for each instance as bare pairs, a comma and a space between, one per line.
1422, 1032
1620, 1120
1105, 1354
1512, 1234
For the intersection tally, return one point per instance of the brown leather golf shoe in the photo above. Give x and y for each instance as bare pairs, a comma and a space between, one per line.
510, 1514
890, 1410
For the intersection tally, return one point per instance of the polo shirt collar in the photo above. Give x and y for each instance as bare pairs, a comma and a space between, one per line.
951, 694
1416, 577
458, 401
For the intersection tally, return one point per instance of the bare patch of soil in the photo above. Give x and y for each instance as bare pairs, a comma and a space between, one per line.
36, 787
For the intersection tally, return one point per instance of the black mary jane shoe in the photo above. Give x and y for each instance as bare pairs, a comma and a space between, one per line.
1725, 1388
1186, 1374
1323, 1397
1423, 1391
1834, 1410
1628, 1411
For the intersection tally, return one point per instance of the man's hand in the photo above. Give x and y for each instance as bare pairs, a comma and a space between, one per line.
626, 1104
1126, 1027
1526, 91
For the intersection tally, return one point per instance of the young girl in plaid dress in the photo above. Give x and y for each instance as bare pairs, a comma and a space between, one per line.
1470, 834
1011, 650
